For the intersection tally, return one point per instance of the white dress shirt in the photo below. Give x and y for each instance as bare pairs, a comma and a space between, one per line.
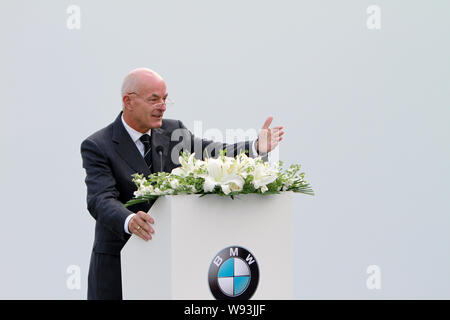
135, 135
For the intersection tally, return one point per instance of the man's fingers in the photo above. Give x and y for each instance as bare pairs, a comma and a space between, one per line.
145, 216
141, 232
275, 143
141, 227
145, 226
268, 122
143, 235
277, 138
277, 133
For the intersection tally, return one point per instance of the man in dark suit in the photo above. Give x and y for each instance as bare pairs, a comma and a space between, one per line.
139, 141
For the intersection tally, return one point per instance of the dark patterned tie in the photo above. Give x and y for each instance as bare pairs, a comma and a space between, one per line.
145, 139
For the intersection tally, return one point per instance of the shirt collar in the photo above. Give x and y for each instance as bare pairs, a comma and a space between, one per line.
135, 135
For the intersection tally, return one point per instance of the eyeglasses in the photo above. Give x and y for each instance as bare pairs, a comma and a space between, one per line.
153, 101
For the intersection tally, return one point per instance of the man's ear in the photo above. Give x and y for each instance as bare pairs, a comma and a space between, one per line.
127, 102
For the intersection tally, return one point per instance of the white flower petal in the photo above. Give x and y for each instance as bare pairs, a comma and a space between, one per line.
226, 188
209, 184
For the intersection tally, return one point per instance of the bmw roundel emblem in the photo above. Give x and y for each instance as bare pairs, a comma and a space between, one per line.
233, 274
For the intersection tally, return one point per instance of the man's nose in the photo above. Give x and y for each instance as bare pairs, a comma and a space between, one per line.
162, 106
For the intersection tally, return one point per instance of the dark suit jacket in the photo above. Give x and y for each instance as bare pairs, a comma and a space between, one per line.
110, 157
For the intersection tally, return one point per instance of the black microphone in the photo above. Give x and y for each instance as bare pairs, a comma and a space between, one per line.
159, 150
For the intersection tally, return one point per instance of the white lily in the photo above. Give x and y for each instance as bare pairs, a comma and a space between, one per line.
223, 174
186, 166
244, 164
263, 175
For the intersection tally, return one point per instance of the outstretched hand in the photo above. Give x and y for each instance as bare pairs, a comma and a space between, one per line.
269, 138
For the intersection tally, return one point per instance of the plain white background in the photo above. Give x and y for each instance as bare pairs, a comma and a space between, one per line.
366, 114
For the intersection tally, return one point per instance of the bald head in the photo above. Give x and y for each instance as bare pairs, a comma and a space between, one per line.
140, 79
143, 99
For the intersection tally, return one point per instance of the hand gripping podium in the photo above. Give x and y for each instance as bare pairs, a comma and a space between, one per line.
213, 247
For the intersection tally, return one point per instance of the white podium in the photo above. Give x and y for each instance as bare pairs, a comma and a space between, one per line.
213, 239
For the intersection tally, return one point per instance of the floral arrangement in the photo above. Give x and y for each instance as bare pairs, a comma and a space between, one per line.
226, 176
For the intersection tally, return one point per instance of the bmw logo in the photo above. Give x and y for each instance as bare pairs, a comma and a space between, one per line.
233, 274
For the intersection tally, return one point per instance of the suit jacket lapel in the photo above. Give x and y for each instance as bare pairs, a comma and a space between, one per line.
127, 149
160, 141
